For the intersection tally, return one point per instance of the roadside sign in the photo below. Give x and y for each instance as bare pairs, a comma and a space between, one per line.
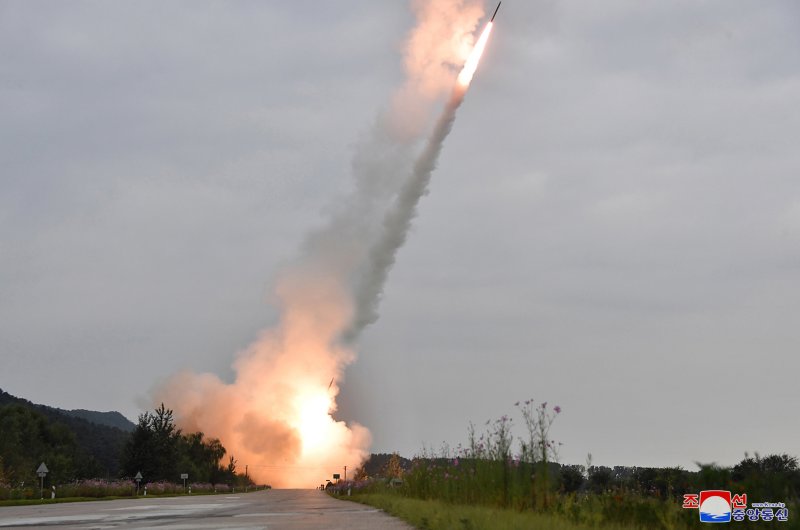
138, 476
42, 471
184, 476
336, 476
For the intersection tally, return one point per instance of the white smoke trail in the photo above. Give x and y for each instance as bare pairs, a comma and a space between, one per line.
277, 414
397, 221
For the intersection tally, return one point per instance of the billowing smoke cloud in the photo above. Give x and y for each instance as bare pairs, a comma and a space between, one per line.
277, 414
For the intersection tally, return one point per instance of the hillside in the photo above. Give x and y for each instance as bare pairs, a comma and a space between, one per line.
92, 447
109, 419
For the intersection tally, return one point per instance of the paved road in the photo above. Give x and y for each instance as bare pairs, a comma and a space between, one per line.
272, 509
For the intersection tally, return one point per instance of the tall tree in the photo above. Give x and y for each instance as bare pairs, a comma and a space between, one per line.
201, 458
153, 449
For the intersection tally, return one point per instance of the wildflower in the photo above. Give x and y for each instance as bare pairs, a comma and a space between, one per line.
557, 409
516, 404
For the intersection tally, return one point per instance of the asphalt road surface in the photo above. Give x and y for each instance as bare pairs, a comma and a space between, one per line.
271, 509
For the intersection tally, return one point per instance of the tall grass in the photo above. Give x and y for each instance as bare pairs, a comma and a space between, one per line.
440, 515
491, 480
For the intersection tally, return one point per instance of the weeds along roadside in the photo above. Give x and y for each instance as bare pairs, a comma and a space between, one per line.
488, 476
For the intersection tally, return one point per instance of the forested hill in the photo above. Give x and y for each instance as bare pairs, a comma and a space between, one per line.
110, 419
29, 431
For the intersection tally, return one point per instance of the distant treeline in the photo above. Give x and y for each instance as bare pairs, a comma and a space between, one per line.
775, 476
74, 448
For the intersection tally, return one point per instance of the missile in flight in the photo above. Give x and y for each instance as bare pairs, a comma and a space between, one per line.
495, 12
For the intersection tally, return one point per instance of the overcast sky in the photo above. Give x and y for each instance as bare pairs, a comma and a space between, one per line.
614, 225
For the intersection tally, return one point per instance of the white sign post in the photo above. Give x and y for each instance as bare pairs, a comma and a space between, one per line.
184, 476
138, 479
42, 472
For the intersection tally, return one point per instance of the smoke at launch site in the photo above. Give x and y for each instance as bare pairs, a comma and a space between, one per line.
277, 413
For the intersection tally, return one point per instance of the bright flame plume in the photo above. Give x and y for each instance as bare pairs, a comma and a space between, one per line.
465, 77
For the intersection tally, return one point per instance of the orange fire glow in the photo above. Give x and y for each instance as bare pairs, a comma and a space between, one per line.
465, 77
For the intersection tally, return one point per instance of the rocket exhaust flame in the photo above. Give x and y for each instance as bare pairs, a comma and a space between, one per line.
465, 77
277, 415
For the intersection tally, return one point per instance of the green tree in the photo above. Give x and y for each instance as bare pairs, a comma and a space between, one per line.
394, 469
214, 452
231, 468
153, 448
28, 438
772, 476
600, 479
571, 478
201, 458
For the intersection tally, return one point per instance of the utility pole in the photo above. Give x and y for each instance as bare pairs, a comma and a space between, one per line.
345, 473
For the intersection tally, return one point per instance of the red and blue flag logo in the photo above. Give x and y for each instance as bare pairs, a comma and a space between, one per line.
715, 506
